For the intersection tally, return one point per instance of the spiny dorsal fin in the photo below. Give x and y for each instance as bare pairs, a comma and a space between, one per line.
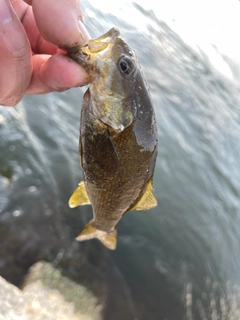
108, 239
79, 196
147, 201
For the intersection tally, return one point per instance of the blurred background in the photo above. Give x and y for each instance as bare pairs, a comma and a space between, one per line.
180, 260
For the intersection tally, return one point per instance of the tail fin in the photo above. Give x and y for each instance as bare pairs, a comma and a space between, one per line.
108, 239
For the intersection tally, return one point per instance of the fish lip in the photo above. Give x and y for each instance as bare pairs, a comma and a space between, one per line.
82, 59
107, 38
102, 43
84, 54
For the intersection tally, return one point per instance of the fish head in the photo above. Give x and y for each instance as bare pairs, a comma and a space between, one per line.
113, 68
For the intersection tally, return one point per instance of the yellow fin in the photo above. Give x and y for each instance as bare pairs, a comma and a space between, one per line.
79, 196
108, 239
147, 200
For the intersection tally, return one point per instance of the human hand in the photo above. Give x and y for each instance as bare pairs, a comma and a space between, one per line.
33, 37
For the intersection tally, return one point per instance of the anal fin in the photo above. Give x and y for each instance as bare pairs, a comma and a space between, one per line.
147, 200
79, 196
108, 239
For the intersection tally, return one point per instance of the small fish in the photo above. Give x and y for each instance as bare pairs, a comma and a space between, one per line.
118, 137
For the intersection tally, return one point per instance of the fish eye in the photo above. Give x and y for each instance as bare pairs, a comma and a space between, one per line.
126, 66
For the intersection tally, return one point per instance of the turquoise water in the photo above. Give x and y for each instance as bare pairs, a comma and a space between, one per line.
179, 260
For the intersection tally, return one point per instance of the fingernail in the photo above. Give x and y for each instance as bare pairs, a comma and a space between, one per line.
6, 15
84, 32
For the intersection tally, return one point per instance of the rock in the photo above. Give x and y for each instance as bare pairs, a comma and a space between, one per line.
39, 169
46, 294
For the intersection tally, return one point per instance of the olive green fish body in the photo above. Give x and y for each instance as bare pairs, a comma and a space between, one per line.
118, 140
116, 168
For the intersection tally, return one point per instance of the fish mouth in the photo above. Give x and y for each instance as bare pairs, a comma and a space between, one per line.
84, 55
102, 42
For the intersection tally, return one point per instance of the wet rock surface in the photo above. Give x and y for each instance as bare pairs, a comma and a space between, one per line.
35, 185
46, 294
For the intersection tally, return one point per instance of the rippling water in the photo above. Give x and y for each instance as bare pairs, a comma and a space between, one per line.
181, 259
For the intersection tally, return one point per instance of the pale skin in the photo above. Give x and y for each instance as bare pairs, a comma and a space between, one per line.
34, 35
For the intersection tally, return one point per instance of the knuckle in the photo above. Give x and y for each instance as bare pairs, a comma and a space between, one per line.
15, 75
15, 63
20, 52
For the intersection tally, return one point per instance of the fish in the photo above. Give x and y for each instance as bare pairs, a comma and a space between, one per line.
118, 137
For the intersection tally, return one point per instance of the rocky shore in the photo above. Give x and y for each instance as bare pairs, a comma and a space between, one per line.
46, 295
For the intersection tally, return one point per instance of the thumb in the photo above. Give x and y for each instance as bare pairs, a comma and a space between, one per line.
60, 22
15, 57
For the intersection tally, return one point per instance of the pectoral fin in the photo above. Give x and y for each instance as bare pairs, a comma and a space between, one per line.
147, 201
106, 155
108, 239
79, 196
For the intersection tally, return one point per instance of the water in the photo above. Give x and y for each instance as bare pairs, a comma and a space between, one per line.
181, 259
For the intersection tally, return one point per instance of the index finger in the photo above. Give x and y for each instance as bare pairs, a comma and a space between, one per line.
60, 22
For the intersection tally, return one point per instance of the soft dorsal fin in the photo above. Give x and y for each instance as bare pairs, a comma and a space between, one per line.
90, 232
147, 200
79, 196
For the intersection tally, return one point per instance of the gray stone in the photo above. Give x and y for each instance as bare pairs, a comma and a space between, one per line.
47, 295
